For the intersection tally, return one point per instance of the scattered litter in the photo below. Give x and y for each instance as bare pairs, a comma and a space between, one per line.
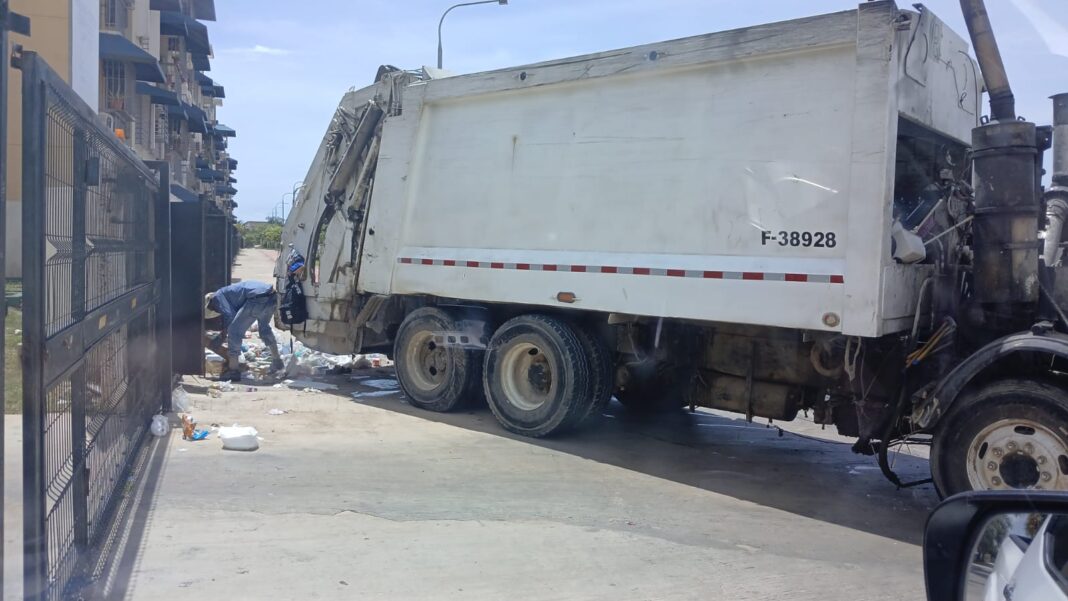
278, 385
373, 393
213, 363
310, 384
160, 425
17, 332
239, 438
199, 435
250, 389
180, 400
182, 450
278, 412
188, 427
381, 384
379, 360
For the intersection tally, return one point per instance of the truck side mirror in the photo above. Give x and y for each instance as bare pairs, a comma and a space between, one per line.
998, 546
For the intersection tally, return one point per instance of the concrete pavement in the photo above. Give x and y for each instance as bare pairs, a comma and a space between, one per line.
370, 498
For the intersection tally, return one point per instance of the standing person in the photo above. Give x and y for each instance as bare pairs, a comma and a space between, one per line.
240, 305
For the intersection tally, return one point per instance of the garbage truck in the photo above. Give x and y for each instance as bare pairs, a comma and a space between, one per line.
811, 216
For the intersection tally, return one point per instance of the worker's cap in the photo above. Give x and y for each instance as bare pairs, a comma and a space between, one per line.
208, 312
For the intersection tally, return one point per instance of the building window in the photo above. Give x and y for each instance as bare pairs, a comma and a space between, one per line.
115, 84
174, 44
143, 123
115, 14
162, 127
176, 129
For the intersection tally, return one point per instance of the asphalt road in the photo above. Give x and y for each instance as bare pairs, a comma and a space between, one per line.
368, 497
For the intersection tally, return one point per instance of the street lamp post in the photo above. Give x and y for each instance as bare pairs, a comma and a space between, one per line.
284, 194
447, 11
296, 188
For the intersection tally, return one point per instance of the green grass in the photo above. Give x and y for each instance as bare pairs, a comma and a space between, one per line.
12, 365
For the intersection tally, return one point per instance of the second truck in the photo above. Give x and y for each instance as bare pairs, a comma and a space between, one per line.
811, 215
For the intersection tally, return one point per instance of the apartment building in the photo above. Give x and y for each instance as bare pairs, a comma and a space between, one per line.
144, 64
65, 34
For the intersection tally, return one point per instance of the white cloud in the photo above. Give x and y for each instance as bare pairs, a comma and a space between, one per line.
259, 50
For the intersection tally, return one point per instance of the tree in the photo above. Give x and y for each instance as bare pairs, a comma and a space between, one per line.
275, 219
272, 235
266, 235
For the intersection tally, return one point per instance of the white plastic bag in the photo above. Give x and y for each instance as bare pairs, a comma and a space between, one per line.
239, 438
180, 400
160, 424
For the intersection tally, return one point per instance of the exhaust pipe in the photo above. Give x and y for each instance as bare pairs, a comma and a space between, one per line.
1060, 140
1057, 195
1002, 102
1007, 201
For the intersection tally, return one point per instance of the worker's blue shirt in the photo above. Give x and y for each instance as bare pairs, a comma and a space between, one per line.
230, 299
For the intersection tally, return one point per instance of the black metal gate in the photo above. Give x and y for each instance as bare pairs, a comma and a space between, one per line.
216, 252
187, 277
94, 272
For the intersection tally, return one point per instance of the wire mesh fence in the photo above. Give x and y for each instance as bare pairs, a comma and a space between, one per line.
92, 288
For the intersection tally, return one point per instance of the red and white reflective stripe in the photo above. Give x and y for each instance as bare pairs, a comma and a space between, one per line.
761, 276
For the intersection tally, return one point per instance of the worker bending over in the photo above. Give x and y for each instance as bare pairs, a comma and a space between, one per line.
240, 305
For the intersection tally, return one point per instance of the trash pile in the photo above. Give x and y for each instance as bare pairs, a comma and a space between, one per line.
214, 364
234, 438
300, 360
303, 361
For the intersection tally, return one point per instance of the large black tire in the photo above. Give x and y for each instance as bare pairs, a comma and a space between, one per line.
435, 376
602, 369
662, 389
1008, 434
537, 376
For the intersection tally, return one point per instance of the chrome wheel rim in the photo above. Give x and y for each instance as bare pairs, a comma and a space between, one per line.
1012, 454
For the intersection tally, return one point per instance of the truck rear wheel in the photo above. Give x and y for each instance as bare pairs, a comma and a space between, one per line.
537, 376
435, 376
1010, 434
602, 370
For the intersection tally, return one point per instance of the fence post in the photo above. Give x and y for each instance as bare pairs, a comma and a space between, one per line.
35, 543
78, 410
164, 335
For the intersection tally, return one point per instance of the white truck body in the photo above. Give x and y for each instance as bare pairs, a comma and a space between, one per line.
660, 180
800, 216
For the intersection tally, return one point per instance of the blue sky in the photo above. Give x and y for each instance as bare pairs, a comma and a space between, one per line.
285, 64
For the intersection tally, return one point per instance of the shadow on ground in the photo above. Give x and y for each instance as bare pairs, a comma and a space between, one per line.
791, 470
788, 470
115, 561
